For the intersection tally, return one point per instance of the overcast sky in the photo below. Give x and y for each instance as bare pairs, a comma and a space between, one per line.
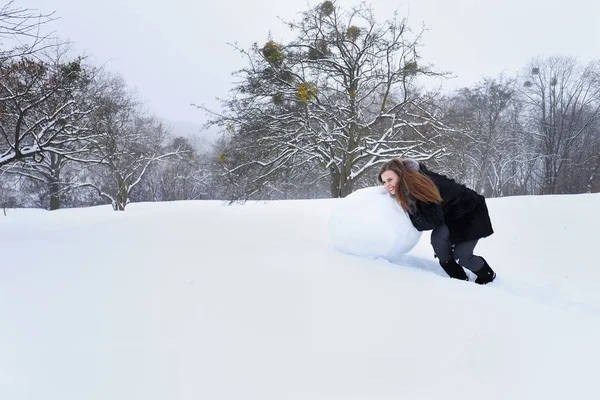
175, 52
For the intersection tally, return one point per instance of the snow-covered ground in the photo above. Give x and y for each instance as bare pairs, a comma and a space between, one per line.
199, 300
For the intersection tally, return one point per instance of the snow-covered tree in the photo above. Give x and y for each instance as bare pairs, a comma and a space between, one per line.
124, 143
39, 112
178, 178
339, 99
47, 166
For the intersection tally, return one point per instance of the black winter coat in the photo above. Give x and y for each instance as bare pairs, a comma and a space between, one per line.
463, 210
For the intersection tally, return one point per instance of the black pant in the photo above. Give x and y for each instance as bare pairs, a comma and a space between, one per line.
461, 252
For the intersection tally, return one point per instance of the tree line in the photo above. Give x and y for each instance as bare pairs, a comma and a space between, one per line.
73, 134
311, 118
318, 114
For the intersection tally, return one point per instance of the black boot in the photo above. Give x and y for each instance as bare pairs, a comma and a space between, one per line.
454, 270
485, 274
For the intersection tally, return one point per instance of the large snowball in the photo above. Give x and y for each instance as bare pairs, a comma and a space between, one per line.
369, 222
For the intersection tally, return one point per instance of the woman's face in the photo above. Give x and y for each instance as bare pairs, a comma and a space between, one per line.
390, 181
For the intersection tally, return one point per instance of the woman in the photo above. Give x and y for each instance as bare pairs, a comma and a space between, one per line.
457, 215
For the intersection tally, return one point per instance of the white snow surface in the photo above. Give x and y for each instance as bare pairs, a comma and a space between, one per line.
371, 223
200, 300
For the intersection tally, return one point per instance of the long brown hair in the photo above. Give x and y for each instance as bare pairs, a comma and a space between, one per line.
412, 182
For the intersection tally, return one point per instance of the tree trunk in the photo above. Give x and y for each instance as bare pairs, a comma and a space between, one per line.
594, 181
347, 187
335, 182
54, 179
54, 196
119, 205
121, 199
549, 177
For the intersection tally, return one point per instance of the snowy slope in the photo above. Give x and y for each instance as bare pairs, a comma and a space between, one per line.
197, 300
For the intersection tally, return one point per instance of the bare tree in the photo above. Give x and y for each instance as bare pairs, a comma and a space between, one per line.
563, 100
491, 103
489, 145
22, 26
